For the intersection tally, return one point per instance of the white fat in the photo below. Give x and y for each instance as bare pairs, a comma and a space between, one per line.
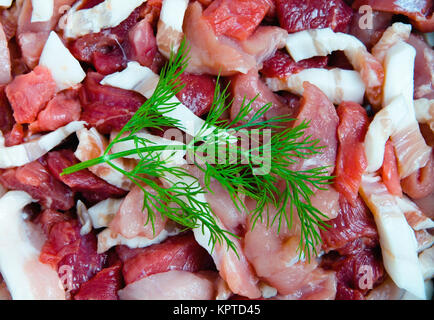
84, 217
65, 69
170, 156
26, 277
169, 33
394, 34
321, 42
5, 3
103, 212
380, 130
108, 239
337, 84
42, 10
25, 153
407, 205
91, 144
424, 110
107, 14
426, 260
428, 292
397, 239
144, 81
399, 73
267, 291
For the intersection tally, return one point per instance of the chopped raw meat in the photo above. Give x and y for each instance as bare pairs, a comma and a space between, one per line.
351, 159
235, 18
180, 252
370, 36
423, 68
209, 54
64, 108
198, 93
420, 184
29, 93
317, 108
72, 255
395, 33
31, 45
48, 218
143, 45
5, 59
298, 15
353, 222
415, 217
356, 273
16, 136
281, 65
389, 171
245, 87
93, 188
420, 11
107, 108
103, 286
172, 285
132, 220
35, 179
170, 33
6, 116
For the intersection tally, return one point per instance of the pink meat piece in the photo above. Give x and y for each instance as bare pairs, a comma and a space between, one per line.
35, 179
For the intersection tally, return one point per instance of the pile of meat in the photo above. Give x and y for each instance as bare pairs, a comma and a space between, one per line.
87, 231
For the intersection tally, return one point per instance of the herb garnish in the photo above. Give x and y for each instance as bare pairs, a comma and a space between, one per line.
181, 197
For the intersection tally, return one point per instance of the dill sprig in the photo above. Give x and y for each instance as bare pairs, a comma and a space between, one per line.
254, 170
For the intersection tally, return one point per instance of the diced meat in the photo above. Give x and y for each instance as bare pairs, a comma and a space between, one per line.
245, 87
281, 65
236, 18
389, 171
16, 136
29, 93
132, 220
171, 285
351, 161
370, 36
73, 255
107, 108
32, 44
353, 222
142, 44
317, 108
420, 11
92, 187
198, 93
103, 286
264, 43
421, 183
423, 68
327, 202
35, 179
5, 58
356, 273
87, 4
208, 53
6, 117
298, 15
275, 259
180, 252
32, 36
48, 218
64, 108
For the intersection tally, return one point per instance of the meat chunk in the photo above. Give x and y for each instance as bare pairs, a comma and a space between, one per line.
5, 58
236, 18
298, 15
29, 93
351, 161
64, 108
180, 252
35, 179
